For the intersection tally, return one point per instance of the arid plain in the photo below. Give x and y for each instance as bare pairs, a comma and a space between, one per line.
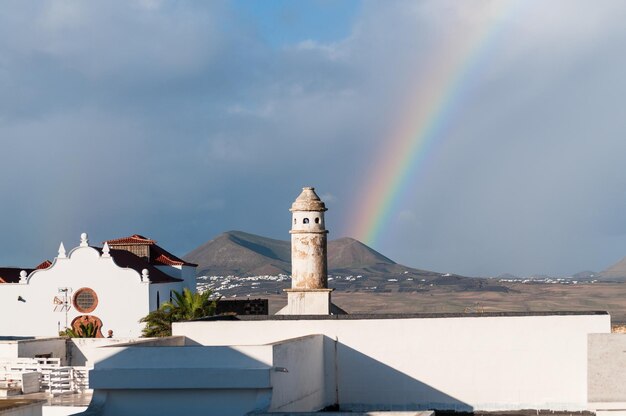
365, 281
609, 297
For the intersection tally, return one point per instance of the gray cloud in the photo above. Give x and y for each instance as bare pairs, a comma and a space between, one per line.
177, 121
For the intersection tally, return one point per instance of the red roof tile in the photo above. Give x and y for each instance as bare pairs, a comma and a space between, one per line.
133, 239
44, 265
163, 259
158, 255
129, 260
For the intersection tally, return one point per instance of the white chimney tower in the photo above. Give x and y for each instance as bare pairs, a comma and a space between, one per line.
309, 293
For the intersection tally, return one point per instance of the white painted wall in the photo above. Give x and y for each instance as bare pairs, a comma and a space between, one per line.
187, 273
29, 348
225, 380
607, 372
82, 350
298, 377
181, 380
32, 347
8, 349
61, 410
164, 293
76, 351
123, 298
463, 363
145, 402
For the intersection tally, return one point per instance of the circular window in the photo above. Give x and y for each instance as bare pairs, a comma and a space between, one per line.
85, 300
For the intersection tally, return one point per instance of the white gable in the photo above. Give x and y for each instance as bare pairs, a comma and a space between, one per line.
47, 300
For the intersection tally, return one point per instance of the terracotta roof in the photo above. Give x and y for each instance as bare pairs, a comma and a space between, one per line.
129, 260
133, 239
44, 265
163, 259
158, 255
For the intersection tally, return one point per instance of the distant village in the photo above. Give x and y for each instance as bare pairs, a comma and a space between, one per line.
231, 285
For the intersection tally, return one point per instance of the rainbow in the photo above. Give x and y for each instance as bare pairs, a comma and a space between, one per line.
434, 102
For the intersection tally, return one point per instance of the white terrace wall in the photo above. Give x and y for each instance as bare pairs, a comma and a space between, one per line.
607, 375
461, 363
75, 351
83, 350
29, 348
8, 349
297, 378
164, 290
55, 347
187, 273
228, 380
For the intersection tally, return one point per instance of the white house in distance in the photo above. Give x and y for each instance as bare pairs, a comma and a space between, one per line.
112, 287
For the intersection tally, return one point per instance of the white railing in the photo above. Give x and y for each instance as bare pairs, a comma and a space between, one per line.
80, 379
54, 378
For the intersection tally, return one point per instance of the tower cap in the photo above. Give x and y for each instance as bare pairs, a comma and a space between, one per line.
308, 201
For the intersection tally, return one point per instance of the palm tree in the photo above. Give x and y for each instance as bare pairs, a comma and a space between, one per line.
158, 324
184, 307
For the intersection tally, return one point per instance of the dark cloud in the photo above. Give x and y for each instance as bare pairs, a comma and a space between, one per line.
177, 120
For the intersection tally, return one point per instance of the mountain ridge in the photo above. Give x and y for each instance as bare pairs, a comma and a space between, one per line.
241, 253
237, 263
615, 272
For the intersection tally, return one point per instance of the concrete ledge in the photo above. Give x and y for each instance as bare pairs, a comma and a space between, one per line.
179, 378
394, 316
608, 408
347, 413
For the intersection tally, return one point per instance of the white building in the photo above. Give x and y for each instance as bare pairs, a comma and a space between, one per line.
112, 287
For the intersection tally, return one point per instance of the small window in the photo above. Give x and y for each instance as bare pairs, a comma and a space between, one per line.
317, 220
85, 300
158, 299
295, 221
305, 221
171, 296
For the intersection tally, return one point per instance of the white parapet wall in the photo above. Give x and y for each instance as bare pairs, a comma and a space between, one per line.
607, 374
224, 380
81, 349
297, 378
486, 362
29, 347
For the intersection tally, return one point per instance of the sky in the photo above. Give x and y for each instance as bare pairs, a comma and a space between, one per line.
182, 120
